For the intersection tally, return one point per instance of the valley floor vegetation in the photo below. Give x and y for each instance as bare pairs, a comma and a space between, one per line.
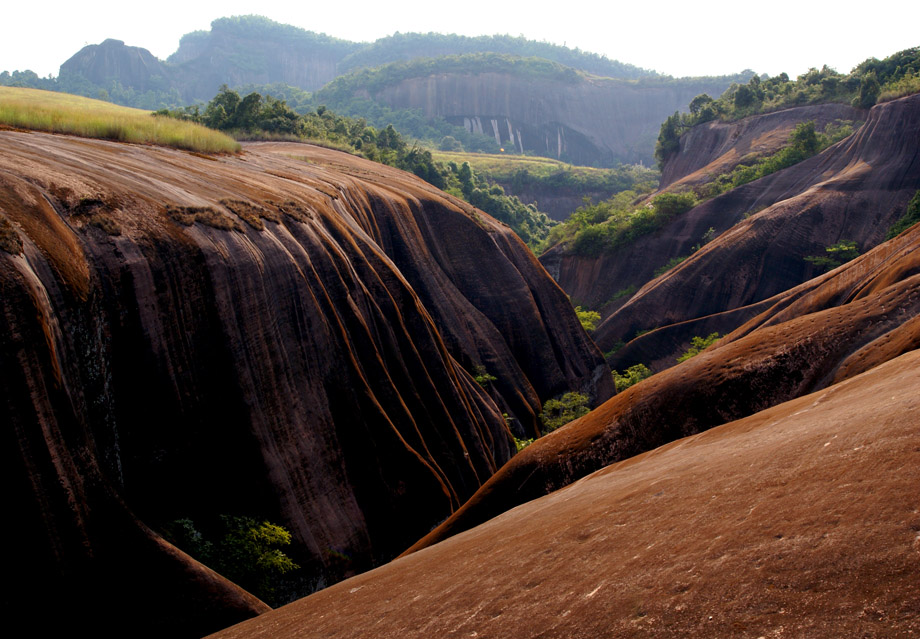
39, 110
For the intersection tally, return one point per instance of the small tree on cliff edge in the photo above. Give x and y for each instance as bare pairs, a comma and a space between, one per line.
668, 139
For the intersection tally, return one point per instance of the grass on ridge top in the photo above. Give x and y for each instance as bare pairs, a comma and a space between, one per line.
502, 166
64, 113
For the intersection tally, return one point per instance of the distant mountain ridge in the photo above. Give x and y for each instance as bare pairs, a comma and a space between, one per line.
255, 51
527, 104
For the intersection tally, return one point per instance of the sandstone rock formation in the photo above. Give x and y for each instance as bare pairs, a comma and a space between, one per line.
717, 147
592, 120
289, 333
817, 334
763, 231
798, 521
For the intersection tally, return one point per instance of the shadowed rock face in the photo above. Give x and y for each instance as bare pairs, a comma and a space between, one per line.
285, 337
800, 520
587, 121
852, 191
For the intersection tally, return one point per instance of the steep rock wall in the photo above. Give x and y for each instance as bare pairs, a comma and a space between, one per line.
763, 231
253, 335
717, 147
590, 121
113, 61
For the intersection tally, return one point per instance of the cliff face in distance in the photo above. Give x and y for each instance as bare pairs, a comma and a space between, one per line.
113, 60
290, 338
591, 121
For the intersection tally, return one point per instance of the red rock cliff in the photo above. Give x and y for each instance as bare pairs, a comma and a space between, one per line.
763, 231
287, 337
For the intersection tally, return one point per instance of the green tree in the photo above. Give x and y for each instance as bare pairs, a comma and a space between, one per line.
588, 318
910, 217
697, 345
668, 139
465, 176
221, 110
804, 138
869, 90
246, 551
560, 411
631, 376
450, 143
668, 205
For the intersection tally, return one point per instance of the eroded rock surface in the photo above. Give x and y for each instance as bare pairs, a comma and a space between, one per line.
290, 333
763, 232
818, 334
798, 521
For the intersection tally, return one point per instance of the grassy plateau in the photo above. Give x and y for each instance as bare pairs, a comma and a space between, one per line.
64, 113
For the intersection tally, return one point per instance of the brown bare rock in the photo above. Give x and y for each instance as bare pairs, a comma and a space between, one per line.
763, 231
822, 332
798, 521
717, 147
288, 333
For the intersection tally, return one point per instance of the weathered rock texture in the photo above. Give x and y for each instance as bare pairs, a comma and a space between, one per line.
589, 121
717, 147
818, 334
852, 191
799, 521
291, 338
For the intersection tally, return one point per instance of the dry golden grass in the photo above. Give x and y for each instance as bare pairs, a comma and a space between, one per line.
64, 113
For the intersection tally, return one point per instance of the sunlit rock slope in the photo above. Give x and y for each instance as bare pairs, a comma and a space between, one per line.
799, 521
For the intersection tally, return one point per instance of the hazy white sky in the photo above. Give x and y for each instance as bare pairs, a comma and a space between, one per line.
677, 38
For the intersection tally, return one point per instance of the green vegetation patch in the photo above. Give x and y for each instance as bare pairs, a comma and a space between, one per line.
526, 171
375, 79
631, 376
245, 550
62, 113
835, 255
697, 345
588, 318
564, 409
599, 228
910, 217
